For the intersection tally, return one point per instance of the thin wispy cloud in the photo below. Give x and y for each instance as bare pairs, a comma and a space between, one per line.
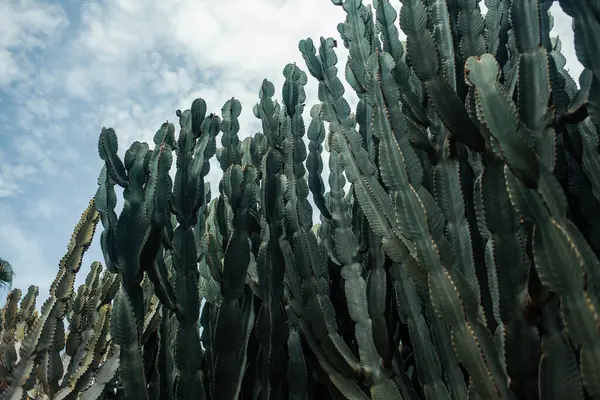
68, 68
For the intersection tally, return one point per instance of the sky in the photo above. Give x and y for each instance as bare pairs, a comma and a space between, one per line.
70, 67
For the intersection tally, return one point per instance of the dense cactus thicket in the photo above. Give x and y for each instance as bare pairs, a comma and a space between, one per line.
456, 255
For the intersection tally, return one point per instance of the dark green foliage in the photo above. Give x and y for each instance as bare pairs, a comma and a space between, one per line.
459, 262
457, 254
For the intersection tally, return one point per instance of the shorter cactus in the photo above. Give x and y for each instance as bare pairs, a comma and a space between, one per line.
38, 359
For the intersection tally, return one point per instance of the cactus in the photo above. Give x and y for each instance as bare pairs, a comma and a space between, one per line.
456, 255
39, 360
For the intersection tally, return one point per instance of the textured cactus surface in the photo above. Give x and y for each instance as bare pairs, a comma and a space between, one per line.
456, 256
63, 351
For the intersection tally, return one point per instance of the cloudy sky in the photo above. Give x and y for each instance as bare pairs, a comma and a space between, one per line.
70, 67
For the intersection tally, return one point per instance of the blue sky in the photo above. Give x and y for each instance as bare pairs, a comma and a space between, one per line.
68, 68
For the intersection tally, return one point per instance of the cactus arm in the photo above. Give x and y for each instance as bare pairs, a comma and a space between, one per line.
187, 352
107, 148
106, 201
299, 155
51, 369
353, 32
136, 237
493, 25
577, 110
314, 162
499, 114
346, 386
124, 332
508, 267
271, 325
413, 21
534, 80
233, 320
424, 59
378, 298
590, 159
564, 88
442, 35
209, 273
208, 321
210, 269
105, 374
357, 34
411, 312
10, 335
586, 26
317, 318
131, 233
398, 162
109, 286
132, 227
157, 271
471, 29
386, 18
452, 374
230, 153
18, 379
265, 110
90, 356
297, 371
293, 153
157, 195
447, 188
81, 314
345, 247
579, 314
164, 359
559, 372
285, 208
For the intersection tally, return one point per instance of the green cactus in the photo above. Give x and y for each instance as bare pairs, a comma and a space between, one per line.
457, 251
39, 360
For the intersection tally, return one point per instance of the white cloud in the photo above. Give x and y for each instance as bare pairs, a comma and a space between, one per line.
69, 70
25, 251
25, 25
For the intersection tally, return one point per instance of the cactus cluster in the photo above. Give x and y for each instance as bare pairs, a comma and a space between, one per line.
39, 358
456, 255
